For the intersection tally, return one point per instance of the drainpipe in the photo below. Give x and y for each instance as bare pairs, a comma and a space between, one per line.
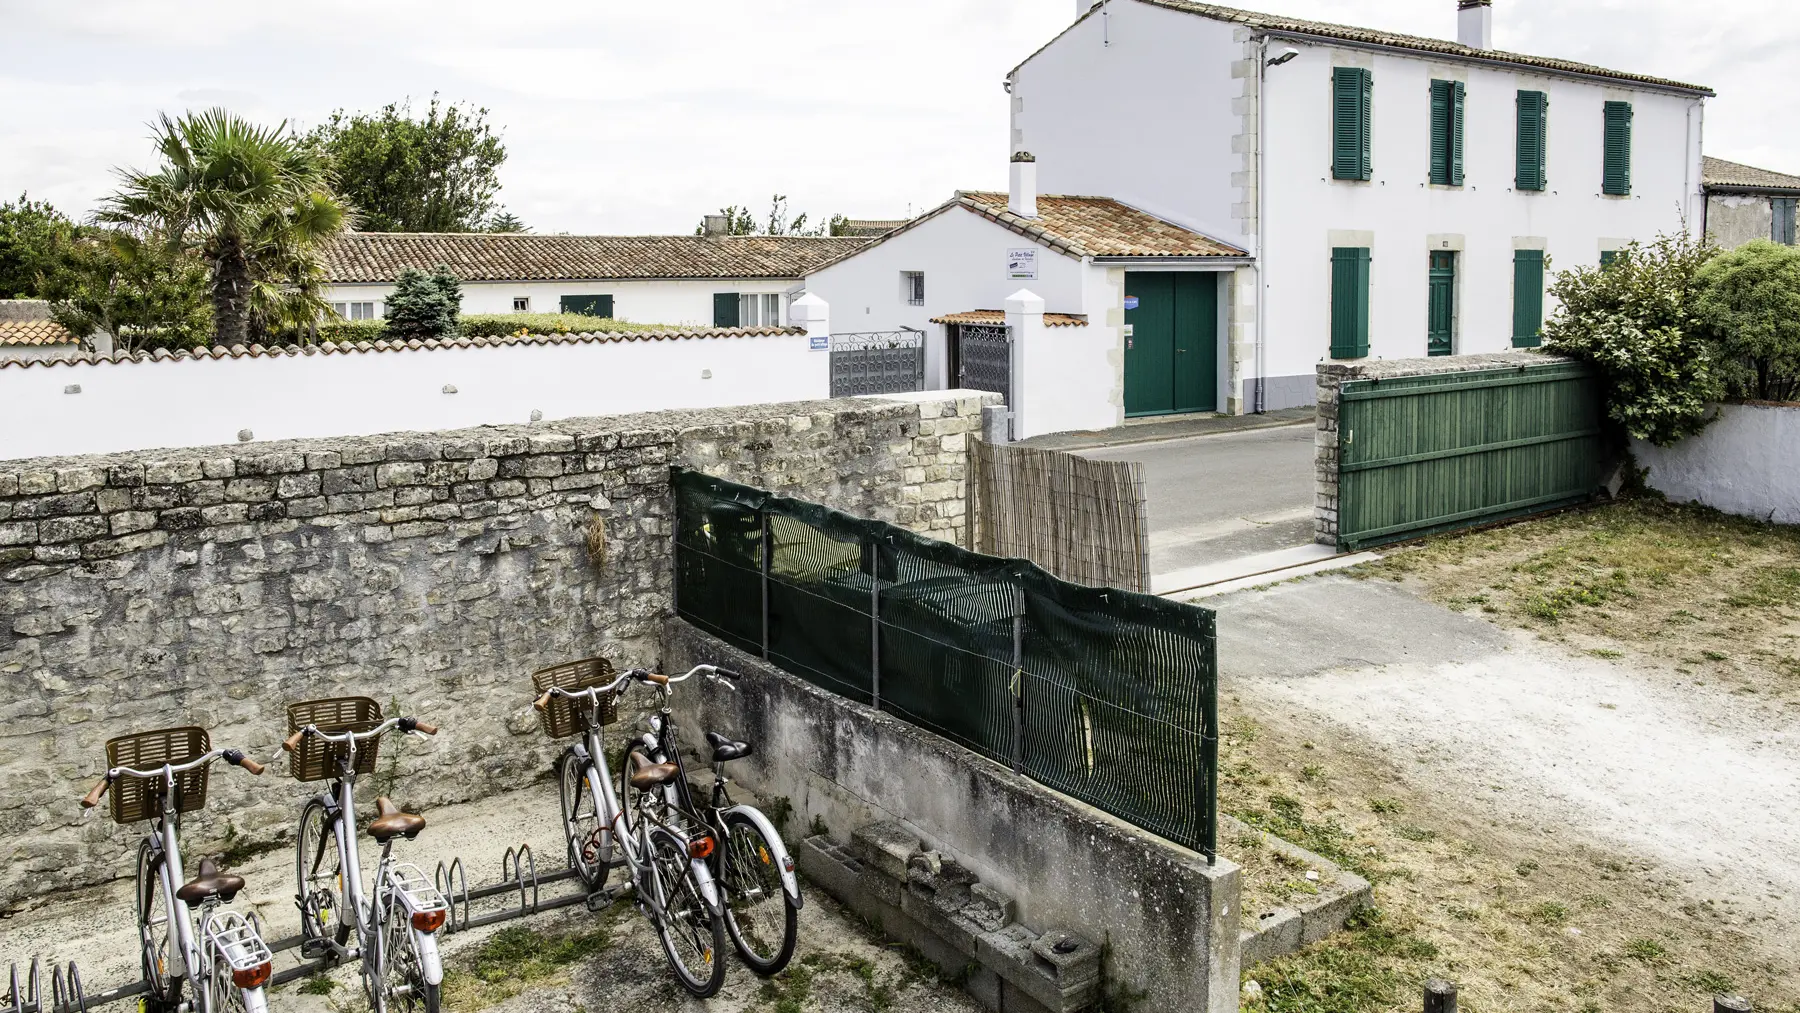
1262, 258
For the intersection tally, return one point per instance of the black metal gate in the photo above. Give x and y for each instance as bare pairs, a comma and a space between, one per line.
880, 362
984, 358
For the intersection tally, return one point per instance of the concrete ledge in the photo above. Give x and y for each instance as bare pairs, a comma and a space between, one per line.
1290, 927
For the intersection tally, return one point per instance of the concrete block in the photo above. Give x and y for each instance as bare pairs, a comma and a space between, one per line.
884, 847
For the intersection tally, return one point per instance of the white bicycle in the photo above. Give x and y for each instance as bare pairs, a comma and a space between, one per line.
397, 922
185, 931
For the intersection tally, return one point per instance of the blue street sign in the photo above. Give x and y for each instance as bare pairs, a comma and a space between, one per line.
1131, 302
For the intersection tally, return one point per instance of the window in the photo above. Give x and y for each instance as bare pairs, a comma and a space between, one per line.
1440, 326
912, 287
586, 305
1352, 92
1528, 297
1616, 178
1447, 133
1607, 257
355, 310
1349, 302
1783, 229
747, 309
521, 304
1534, 133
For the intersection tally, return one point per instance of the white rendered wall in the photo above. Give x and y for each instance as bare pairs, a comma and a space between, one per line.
1746, 463
964, 257
183, 403
676, 303
1485, 218
1135, 103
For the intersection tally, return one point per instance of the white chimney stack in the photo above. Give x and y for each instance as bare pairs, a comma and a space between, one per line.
1475, 23
1021, 198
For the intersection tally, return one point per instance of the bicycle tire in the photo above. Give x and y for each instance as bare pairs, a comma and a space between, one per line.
401, 965
165, 992
315, 842
590, 846
750, 884
680, 930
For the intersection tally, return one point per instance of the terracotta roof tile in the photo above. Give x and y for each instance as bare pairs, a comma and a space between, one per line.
999, 317
1099, 227
35, 332
1257, 21
480, 256
871, 227
362, 347
1716, 172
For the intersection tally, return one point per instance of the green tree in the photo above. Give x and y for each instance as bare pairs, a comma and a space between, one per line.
1635, 321
32, 237
739, 221
506, 222
424, 306
437, 174
1749, 302
143, 293
252, 203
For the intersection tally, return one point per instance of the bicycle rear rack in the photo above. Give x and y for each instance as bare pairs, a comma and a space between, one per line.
520, 883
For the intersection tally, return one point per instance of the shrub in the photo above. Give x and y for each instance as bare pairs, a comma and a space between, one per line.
496, 325
1635, 321
1749, 302
352, 330
424, 306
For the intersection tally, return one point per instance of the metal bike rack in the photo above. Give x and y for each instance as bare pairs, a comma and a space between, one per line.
520, 882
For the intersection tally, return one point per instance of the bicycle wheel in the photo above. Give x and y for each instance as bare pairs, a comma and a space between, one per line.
154, 930
319, 877
761, 918
590, 844
403, 974
226, 996
692, 939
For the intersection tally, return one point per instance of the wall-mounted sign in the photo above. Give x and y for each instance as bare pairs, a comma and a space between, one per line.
821, 342
1021, 265
1131, 302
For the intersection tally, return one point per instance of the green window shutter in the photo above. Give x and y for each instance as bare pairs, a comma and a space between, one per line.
725, 309
1440, 132
1782, 230
1616, 178
1607, 257
588, 305
1351, 94
1349, 302
1528, 297
1534, 109
1456, 135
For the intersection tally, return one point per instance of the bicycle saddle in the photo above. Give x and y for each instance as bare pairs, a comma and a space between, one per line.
646, 775
210, 882
390, 822
725, 749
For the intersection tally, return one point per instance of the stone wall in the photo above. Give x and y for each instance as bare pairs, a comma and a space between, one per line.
433, 572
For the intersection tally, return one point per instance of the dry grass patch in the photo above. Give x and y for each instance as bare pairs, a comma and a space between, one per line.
1519, 919
1715, 597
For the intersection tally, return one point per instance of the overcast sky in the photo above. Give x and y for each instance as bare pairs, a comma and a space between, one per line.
639, 117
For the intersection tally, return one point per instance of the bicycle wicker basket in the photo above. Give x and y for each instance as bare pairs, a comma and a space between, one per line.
141, 798
317, 760
564, 717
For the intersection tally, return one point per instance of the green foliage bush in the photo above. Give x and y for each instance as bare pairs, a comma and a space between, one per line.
352, 330
424, 306
1635, 320
495, 325
1749, 302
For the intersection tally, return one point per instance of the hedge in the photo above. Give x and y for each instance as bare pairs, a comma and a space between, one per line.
492, 325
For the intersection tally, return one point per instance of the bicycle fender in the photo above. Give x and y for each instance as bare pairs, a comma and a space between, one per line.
255, 1001
430, 964
789, 881
709, 890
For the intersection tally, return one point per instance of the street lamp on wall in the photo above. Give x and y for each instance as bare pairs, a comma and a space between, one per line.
1284, 56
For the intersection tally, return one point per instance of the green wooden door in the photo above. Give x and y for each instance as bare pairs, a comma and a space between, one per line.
1171, 355
1441, 321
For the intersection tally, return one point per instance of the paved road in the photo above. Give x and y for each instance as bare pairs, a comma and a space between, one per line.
1217, 498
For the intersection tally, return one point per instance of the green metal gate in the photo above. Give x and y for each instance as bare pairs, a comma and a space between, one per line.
1418, 454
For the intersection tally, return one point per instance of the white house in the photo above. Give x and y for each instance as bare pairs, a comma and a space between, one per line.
1402, 195
683, 281
1365, 193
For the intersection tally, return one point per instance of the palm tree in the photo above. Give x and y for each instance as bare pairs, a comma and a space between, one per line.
253, 203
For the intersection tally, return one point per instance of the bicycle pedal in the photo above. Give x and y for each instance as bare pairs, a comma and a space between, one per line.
314, 948
599, 900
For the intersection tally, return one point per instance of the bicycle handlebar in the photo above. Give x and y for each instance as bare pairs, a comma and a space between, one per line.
663, 682
404, 724
234, 757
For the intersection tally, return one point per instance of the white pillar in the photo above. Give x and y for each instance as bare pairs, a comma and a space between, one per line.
813, 315
1025, 329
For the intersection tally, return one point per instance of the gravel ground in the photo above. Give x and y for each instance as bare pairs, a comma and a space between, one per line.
838, 965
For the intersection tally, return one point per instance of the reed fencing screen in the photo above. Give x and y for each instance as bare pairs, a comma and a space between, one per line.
1109, 696
1083, 521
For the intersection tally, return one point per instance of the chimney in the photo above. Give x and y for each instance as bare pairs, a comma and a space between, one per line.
1021, 198
717, 225
1475, 23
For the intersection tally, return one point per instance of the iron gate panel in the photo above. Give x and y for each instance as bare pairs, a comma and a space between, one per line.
1418, 454
879, 362
984, 357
